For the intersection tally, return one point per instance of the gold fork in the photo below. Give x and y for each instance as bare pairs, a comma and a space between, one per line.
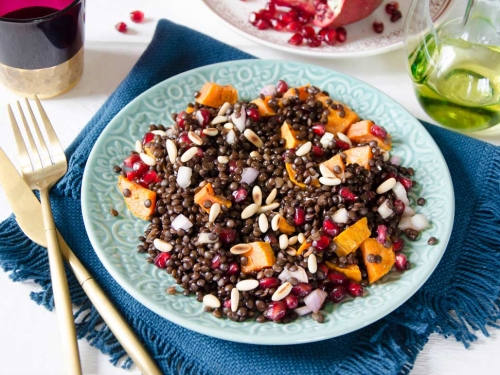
42, 165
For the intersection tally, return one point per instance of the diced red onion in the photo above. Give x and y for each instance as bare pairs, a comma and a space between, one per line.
184, 176
341, 216
249, 175
396, 160
181, 222
303, 310
268, 90
315, 299
384, 210
300, 274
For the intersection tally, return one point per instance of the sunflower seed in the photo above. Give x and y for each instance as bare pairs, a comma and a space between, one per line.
214, 212
171, 150
249, 211
304, 149
223, 109
235, 299
283, 291
268, 207
211, 301
312, 263
189, 154
195, 138
257, 195
253, 138
149, 160
241, 248
386, 185
272, 196
283, 241
246, 285
162, 245
263, 223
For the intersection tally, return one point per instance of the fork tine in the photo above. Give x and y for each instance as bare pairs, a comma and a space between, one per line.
43, 150
27, 163
57, 151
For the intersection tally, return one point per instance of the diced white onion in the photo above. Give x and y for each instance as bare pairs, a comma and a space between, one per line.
400, 192
419, 222
249, 175
303, 310
240, 121
315, 300
395, 159
181, 222
184, 176
326, 139
300, 274
231, 137
341, 216
268, 90
384, 210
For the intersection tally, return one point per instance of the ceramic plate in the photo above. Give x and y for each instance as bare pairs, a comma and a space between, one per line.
361, 39
115, 238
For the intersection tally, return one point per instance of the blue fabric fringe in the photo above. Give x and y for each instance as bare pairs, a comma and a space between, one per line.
459, 299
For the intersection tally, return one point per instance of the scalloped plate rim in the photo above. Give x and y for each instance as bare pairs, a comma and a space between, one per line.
217, 332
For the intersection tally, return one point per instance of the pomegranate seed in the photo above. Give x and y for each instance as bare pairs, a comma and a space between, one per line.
240, 194
292, 301
378, 131
396, 16
323, 268
406, 182
203, 116
270, 8
391, 7
308, 32
341, 34
294, 26
262, 25
148, 178
227, 236
330, 37
290, 16
199, 152
378, 27
140, 168
276, 311
281, 86
319, 129
215, 263
401, 263
277, 25
318, 151
330, 228
313, 42
162, 259
381, 234
337, 278
322, 34
347, 194
304, 17
132, 175
184, 138
232, 166
269, 282
234, 269
341, 144
181, 119
296, 39
148, 137
354, 289
322, 243
137, 16
398, 245
254, 17
266, 15
121, 27
338, 294
299, 218
302, 289
399, 207
130, 160
391, 175
253, 114
227, 304
271, 238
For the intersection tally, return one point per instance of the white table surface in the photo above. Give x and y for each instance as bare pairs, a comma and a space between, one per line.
29, 341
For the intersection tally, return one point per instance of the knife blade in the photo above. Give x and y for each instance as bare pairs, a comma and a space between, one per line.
28, 212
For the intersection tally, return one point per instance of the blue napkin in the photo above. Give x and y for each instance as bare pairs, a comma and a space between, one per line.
466, 281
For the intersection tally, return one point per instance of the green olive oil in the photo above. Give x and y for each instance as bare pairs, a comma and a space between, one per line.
458, 83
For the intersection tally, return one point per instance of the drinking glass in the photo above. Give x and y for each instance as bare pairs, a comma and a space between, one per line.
41, 45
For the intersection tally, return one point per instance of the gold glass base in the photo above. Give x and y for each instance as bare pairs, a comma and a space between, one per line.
46, 82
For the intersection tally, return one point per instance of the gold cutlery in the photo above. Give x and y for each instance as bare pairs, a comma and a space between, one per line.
42, 164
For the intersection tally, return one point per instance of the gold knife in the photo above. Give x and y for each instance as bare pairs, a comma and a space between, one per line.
28, 213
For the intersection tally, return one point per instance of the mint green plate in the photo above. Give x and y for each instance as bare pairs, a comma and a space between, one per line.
115, 238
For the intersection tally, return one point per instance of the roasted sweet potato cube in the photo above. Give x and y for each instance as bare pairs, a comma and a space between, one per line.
377, 270
360, 132
335, 161
291, 175
260, 256
263, 106
351, 271
359, 155
137, 198
207, 193
303, 247
350, 239
284, 227
214, 95
339, 120
300, 91
290, 136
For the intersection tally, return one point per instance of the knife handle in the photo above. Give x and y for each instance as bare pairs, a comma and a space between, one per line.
122, 331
